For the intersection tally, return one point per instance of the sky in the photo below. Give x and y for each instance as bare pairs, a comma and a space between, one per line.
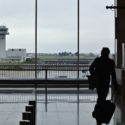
57, 25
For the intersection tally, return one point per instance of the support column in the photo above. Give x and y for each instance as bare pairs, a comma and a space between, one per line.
119, 55
119, 32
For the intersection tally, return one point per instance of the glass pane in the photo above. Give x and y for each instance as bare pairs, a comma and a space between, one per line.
96, 32
17, 44
16, 48
57, 47
57, 38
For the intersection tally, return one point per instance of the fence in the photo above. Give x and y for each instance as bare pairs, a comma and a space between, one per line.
53, 71
69, 98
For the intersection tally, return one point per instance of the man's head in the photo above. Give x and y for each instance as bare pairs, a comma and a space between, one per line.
105, 51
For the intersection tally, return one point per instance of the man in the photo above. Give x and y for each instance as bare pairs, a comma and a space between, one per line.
103, 67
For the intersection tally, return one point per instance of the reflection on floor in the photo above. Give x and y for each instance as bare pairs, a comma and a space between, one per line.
61, 113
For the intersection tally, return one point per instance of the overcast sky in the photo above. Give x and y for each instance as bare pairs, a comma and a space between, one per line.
57, 25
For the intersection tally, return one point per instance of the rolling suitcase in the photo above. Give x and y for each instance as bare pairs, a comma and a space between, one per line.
104, 112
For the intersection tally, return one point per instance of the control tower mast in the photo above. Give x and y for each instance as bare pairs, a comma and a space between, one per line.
3, 33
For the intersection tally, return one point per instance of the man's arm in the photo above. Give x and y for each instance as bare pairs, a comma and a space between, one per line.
92, 67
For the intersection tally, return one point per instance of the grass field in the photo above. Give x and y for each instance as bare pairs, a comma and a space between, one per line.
9, 63
26, 62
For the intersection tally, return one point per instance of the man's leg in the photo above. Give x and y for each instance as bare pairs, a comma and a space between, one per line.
102, 94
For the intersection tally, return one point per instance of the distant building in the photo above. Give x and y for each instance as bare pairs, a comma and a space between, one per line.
12, 55
16, 55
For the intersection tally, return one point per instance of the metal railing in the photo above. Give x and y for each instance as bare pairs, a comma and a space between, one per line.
69, 98
53, 71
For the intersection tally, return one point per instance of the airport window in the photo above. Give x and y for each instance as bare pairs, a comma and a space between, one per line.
56, 38
3, 30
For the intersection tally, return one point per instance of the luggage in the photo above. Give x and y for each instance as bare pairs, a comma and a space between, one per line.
104, 112
93, 81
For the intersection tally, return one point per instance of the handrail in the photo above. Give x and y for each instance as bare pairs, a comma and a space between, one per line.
52, 72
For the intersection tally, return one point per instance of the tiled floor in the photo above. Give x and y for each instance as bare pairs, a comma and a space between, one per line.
66, 114
60, 113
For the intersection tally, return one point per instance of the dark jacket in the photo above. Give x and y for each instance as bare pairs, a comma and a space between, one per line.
103, 67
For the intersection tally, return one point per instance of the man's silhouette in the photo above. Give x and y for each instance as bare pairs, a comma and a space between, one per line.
103, 67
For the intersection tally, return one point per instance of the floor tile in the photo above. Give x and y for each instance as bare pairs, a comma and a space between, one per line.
60, 113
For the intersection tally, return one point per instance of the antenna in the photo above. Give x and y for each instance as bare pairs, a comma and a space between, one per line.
3, 24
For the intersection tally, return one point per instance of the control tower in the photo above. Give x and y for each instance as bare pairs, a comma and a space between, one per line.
3, 33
